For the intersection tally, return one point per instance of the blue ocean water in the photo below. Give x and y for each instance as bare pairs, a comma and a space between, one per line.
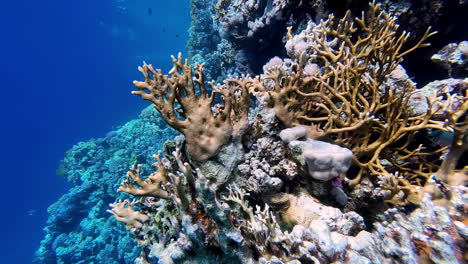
66, 72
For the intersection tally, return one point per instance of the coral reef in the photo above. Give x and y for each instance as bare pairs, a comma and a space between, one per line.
352, 94
277, 183
332, 155
189, 110
78, 229
235, 37
206, 47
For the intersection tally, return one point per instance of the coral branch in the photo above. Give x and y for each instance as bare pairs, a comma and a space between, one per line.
190, 110
353, 102
123, 212
164, 183
153, 186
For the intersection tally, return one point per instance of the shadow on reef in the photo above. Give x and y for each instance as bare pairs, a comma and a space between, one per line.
243, 37
450, 27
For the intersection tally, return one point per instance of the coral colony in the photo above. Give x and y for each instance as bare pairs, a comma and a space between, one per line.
339, 118
332, 155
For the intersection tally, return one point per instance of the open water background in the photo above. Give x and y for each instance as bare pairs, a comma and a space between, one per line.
66, 71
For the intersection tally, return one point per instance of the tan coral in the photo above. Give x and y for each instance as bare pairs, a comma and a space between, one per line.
301, 208
164, 183
123, 211
153, 186
350, 103
187, 105
398, 191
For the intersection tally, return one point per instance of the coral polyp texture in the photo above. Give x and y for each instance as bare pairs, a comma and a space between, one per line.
330, 155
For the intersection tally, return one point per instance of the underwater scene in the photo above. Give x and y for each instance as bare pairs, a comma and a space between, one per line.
235, 131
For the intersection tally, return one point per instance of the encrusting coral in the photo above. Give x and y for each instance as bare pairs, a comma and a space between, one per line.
343, 100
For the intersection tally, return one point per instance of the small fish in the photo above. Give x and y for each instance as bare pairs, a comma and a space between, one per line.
110, 134
441, 138
31, 212
150, 11
177, 35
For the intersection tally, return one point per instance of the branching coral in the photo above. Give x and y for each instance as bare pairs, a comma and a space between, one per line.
350, 102
124, 212
261, 227
192, 111
153, 186
398, 191
160, 184
345, 86
166, 196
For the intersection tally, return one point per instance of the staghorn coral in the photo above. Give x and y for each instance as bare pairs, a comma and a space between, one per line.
398, 191
199, 223
153, 186
350, 102
187, 105
260, 228
166, 198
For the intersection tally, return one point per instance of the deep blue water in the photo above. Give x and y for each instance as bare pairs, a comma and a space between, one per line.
66, 73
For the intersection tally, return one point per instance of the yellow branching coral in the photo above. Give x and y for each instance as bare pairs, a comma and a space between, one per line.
154, 185
350, 102
164, 184
123, 212
187, 105
398, 191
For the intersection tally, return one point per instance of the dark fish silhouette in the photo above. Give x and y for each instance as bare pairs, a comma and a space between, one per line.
150, 11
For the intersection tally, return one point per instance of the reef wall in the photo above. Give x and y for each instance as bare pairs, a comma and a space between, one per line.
79, 229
